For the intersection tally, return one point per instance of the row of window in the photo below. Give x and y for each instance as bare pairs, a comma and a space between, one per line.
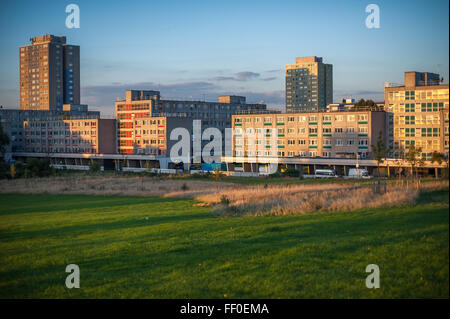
269, 153
417, 132
61, 149
44, 124
303, 118
428, 144
59, 141
302, 130
65, 133
418, 95
141, 142
326, 142
416, 120
417, 107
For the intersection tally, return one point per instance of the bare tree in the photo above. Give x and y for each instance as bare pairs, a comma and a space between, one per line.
413, 156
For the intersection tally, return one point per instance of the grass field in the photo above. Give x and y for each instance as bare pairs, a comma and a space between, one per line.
183, 251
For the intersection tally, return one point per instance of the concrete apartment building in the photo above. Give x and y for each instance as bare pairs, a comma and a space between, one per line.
49, 74
309, 85
418, 114
14, 122
149, 135
145, 120
344, 134
87, 136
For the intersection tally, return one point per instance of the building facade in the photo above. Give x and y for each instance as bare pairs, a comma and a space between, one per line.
309, 85
345, 134
49, 74
22, 126
418, 115
145, 120
87, 136
149, 135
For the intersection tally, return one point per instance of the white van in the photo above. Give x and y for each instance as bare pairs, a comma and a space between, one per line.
325, 173
358, 173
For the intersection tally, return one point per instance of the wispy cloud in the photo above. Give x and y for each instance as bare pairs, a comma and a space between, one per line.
245, 76
240, 76
224, 78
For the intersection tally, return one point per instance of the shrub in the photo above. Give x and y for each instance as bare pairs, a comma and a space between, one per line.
4, 170
275, 175
292, 172
218, 174
94, 166
224, 200
36, 167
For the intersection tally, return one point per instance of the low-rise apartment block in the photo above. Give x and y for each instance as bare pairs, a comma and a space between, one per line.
149, 135
22, 127
345, 134
145, 120
92, 136
418, 114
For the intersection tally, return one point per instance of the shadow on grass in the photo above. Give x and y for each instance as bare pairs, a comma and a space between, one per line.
107, 226
38, 203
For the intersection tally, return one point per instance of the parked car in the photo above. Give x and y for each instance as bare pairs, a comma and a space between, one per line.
358, 173
325, 173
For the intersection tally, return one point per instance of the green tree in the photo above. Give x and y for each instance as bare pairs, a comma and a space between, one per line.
438, 158
363, 102
94, 166
380, 151
4, 141
38, 167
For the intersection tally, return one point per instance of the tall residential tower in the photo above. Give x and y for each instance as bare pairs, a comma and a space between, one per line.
49, 74
309, 85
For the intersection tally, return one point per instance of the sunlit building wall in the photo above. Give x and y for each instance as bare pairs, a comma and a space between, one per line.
145, 120
345, 134
418, 114
49, 73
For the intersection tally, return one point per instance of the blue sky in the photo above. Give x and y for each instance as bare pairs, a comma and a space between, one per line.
196, 49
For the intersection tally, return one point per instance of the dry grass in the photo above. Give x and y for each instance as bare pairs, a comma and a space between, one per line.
301, 199
110, 186
233, 199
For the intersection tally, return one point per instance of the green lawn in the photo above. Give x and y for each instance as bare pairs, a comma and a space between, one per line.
184, 252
